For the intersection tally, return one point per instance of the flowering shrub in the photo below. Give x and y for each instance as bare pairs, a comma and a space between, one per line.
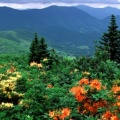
59, 114
8, 86
95, 100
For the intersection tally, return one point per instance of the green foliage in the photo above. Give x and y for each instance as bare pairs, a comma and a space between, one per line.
101, 69
42, 49
110, 42
38, 50
46, 90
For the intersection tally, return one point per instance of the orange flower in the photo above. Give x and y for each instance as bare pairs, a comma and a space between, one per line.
102, 103
59, 114
80, 97
65, 113
51, 114
93, 109
84, 111
84, 81
56, 118
96, 84
86, 105
78, 90
115, 89
114, 118
117, 104
118, 97
79, 93
107, 115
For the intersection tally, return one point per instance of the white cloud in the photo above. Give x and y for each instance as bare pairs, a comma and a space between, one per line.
44, 5
35, 5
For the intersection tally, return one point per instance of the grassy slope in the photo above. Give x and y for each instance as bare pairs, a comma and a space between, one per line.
12, 42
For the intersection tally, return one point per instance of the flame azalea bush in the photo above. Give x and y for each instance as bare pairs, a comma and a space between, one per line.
10, 96
8, 86
95, 100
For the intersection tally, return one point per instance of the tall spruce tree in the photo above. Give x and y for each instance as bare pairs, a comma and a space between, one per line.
118, 48
33, 55
42, 49
110, 41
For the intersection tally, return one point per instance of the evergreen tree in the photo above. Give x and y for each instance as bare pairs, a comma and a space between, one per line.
38, 50
118, 48
33, 56
110, 41
42, 50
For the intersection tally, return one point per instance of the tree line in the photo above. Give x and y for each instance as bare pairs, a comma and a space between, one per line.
107, 48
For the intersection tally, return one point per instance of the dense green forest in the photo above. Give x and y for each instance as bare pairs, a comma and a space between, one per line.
44, 85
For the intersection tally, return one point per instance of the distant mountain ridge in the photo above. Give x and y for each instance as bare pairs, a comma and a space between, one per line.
67, 29
99, 13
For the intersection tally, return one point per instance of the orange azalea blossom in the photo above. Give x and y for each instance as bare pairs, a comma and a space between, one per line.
80, 97
96, 84
117, 104
51, 114
93, 109
118, 97
102, 103
54, 114
114, 118
115, 89
56, 118
86, 105
65, 113
78, 90
60, 114
79, 93
84, 111
107, 115
84, 81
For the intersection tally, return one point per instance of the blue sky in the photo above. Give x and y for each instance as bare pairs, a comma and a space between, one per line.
23, 4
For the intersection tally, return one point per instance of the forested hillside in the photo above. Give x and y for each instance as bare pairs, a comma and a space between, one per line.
68, 29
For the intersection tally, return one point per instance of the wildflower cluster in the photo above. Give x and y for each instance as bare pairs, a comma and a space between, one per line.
92, 97
60, 114
7, 88
39, 65
6, 105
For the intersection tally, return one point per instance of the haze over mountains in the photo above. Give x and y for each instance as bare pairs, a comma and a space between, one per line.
100, 13
67, 29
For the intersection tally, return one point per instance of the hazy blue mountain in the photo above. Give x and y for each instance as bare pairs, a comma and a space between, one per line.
67, 29
99, 13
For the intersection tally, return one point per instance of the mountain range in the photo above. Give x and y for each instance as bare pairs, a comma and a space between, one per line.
99, 13
67, 29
